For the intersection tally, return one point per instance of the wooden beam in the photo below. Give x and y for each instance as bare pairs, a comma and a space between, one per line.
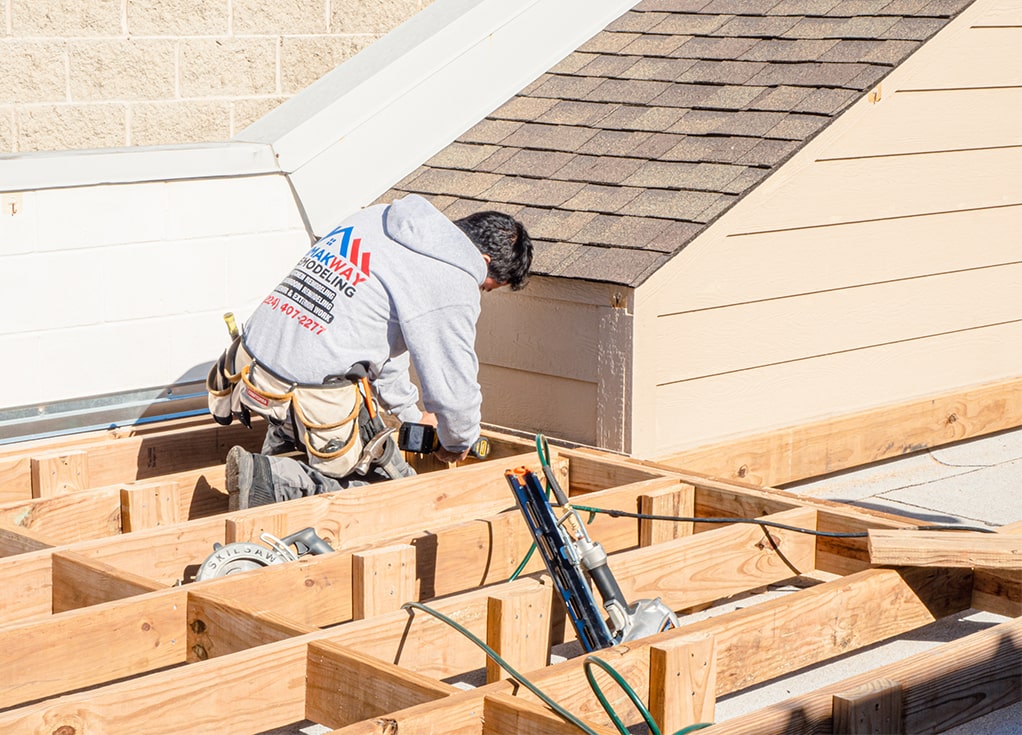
940, 689
229, 694
59, 473
716, 564
683, 682
80, 582
68, 518
150, 504
27, 581
677, 501
945, 548
518, 629
345, 686
753, 644
382, 579
97, 645
504, 714
840, 442
219, 625
13, 543
997, 590
870, 709
120, 459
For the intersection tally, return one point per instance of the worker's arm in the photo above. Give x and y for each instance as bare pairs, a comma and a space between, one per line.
442, 344
395, 390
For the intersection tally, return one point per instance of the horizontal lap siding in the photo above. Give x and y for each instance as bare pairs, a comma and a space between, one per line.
553, 359
884, 262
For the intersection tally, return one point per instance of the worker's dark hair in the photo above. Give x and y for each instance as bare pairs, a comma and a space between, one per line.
505, 240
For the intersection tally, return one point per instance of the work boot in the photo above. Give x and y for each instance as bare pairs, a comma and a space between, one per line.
249, 480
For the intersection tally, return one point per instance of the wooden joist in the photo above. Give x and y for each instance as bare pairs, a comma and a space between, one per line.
324, 637
945, 548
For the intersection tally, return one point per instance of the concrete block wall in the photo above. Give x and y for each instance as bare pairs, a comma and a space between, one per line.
106, 73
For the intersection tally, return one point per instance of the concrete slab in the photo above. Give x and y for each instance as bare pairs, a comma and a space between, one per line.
973, 482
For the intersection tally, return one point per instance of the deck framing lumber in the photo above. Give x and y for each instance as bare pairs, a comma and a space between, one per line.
327, 635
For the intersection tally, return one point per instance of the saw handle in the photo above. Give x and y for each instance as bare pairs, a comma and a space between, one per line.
309, 539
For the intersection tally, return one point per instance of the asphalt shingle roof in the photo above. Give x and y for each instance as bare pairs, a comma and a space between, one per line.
625, 150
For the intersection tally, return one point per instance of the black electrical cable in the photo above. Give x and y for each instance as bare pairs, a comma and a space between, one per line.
760, 522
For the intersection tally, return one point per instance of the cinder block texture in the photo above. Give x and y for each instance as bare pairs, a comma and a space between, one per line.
228, 67
66, 18
168, 123
122, 70
244, 111
7, 136
178, 17
282, 16
371, 16
305, 59
32, 71
211, 67
60, 127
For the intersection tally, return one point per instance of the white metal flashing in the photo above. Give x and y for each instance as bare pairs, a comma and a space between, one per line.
63, 169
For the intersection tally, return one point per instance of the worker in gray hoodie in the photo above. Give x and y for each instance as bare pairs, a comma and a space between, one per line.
390, 283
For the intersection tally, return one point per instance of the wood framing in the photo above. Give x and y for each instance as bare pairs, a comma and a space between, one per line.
330, 630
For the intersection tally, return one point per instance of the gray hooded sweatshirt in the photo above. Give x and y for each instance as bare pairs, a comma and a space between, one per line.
388, 282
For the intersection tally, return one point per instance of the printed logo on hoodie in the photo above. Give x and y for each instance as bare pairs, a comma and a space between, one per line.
320, 276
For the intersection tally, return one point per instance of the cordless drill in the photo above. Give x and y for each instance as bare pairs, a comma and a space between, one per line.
422, 439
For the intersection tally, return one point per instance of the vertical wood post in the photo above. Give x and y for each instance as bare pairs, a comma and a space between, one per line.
382, 580
249, 527
670, 501
518, 628
872, 709
59, 473
683, 682
147, 505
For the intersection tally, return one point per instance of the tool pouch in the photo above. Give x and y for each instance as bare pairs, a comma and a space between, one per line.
321, 418
220, 383
328, 427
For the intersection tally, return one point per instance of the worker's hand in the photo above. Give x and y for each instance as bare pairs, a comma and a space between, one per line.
445, 455
428, 418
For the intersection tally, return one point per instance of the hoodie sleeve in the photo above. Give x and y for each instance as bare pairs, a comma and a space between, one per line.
395, 390
442, 345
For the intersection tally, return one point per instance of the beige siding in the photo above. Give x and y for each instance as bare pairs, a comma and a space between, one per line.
883, 262
555, 359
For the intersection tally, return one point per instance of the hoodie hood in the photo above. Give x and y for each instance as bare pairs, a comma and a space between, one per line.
421, 227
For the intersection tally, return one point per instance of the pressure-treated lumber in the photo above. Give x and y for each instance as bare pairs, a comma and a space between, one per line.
940, 689
150, 504
108, 642
869, 709
674, 501
58, 473
752, 645
945, 548
683, 681
382, 579
121, 458
503, 714
293, 624
518, 629
372, 687
999, 590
